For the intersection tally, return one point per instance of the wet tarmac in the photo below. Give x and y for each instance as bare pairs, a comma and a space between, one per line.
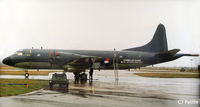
130, 91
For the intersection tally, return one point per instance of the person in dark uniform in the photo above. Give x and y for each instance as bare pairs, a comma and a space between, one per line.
91, 74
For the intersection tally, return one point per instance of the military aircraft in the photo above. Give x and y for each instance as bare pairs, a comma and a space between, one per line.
77, 61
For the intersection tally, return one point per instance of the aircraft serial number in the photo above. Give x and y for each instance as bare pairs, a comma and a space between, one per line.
127, 61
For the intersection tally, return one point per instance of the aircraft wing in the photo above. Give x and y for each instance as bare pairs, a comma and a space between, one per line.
82, 62
78, 58
84, 59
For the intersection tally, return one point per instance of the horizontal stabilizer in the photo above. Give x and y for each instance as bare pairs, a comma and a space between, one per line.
188, 54
168, 53
194, 55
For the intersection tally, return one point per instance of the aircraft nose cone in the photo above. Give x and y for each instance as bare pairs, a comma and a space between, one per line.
7, 61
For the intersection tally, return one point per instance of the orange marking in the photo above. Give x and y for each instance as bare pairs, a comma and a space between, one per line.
57, 53
49, 52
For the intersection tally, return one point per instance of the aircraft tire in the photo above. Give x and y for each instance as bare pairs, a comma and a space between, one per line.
83, 77
26, 75
76, 77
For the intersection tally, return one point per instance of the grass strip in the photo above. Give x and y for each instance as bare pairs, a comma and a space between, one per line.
8, 87
168, 75
23, 72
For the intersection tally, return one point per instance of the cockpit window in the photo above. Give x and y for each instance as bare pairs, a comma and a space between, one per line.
19, 53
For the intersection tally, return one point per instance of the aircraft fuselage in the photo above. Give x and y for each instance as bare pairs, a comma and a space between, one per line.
59, 59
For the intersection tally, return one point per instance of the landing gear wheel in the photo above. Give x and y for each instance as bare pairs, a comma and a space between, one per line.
76, 77
83, 77
26, 75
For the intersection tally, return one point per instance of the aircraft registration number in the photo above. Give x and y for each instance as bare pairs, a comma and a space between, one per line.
127, 61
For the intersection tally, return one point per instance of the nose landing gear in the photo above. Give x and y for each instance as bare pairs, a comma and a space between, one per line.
26, 74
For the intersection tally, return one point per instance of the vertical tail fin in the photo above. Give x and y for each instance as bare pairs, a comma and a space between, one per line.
158, 44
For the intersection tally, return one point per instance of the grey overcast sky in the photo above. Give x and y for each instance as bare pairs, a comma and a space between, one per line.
99, 25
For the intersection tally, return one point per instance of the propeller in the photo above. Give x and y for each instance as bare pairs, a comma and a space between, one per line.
115, 65
51, 57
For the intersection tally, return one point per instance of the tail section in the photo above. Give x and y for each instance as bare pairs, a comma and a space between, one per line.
157, 45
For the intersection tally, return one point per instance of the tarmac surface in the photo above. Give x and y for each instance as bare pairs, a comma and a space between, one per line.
129, 91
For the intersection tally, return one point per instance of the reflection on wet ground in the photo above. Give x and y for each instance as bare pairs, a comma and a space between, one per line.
131, 90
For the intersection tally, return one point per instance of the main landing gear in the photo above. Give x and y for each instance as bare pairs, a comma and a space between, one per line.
82, 76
